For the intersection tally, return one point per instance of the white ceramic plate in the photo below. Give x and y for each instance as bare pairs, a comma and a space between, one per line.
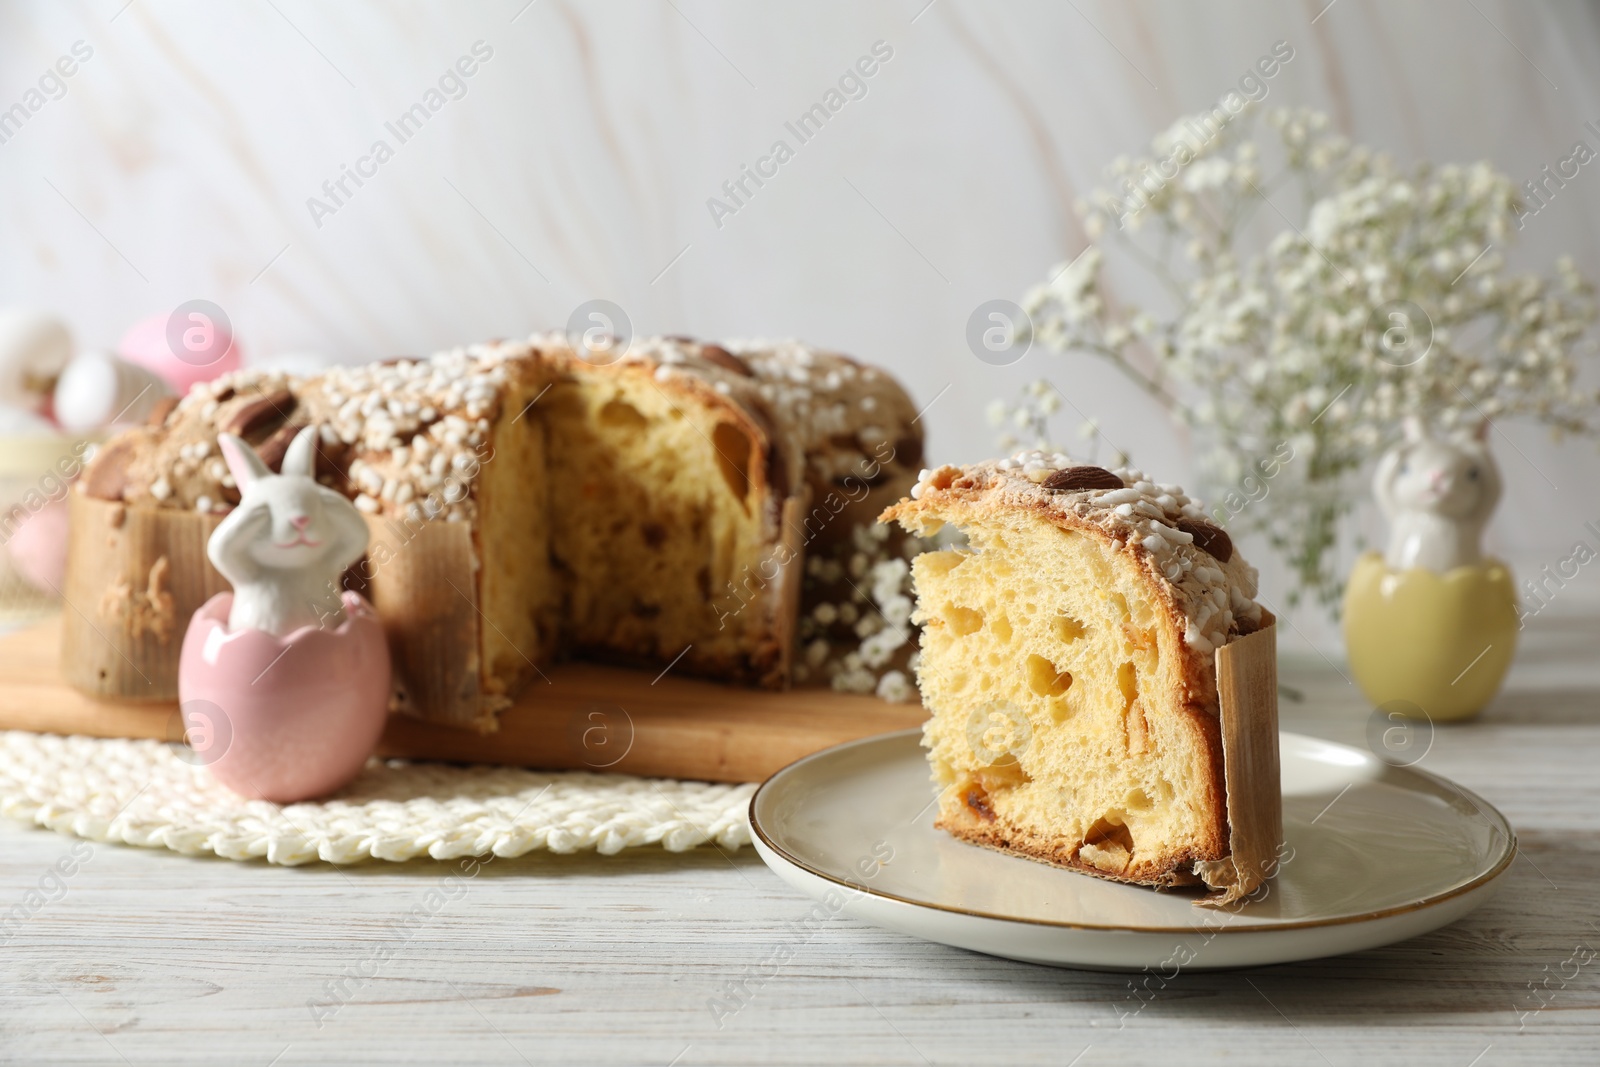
1379, 854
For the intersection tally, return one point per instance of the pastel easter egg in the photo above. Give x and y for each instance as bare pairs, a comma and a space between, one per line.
193, 343
37, 548
34, 347
97, 390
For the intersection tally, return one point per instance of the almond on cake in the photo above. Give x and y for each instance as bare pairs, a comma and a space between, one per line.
1070, 662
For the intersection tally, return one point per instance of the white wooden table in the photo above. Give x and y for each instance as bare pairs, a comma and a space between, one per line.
153, 958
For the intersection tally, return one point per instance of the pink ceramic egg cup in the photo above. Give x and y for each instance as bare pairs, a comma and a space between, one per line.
284, 718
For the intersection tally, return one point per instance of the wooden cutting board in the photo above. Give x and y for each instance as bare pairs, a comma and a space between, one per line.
587, 718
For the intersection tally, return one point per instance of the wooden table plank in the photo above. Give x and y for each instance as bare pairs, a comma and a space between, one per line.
584, 717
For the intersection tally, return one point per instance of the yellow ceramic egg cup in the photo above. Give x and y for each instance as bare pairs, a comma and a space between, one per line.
1442, 642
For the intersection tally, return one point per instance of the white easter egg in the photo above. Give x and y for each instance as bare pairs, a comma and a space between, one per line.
34, 347
97, 389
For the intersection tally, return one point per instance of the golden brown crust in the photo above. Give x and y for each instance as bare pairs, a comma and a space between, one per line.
1164, 871
836, 408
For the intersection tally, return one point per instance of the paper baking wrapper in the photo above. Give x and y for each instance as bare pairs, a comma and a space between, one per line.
1247, 691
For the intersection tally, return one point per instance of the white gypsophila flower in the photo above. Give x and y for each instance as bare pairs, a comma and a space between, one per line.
897, 611
1389, 297
877, 649
895, 688
888, 578
859, 627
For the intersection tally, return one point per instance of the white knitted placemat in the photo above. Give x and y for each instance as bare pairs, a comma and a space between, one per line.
146, 793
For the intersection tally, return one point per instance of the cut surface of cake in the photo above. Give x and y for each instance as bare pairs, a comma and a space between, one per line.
1069, 659
524, 504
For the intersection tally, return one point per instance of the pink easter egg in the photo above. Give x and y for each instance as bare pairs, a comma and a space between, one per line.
193, 343
37, 547
288, 718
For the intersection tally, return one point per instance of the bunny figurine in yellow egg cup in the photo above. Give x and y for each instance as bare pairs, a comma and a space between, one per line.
1430, 625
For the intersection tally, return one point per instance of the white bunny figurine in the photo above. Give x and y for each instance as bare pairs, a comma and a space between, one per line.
1438, 495
287, 544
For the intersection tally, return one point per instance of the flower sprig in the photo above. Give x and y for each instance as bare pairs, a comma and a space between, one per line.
1313, 294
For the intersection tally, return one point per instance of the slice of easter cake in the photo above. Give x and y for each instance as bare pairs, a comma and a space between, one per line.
1101, 680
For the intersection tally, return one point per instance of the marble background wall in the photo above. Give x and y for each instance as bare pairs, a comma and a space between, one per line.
579, 156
